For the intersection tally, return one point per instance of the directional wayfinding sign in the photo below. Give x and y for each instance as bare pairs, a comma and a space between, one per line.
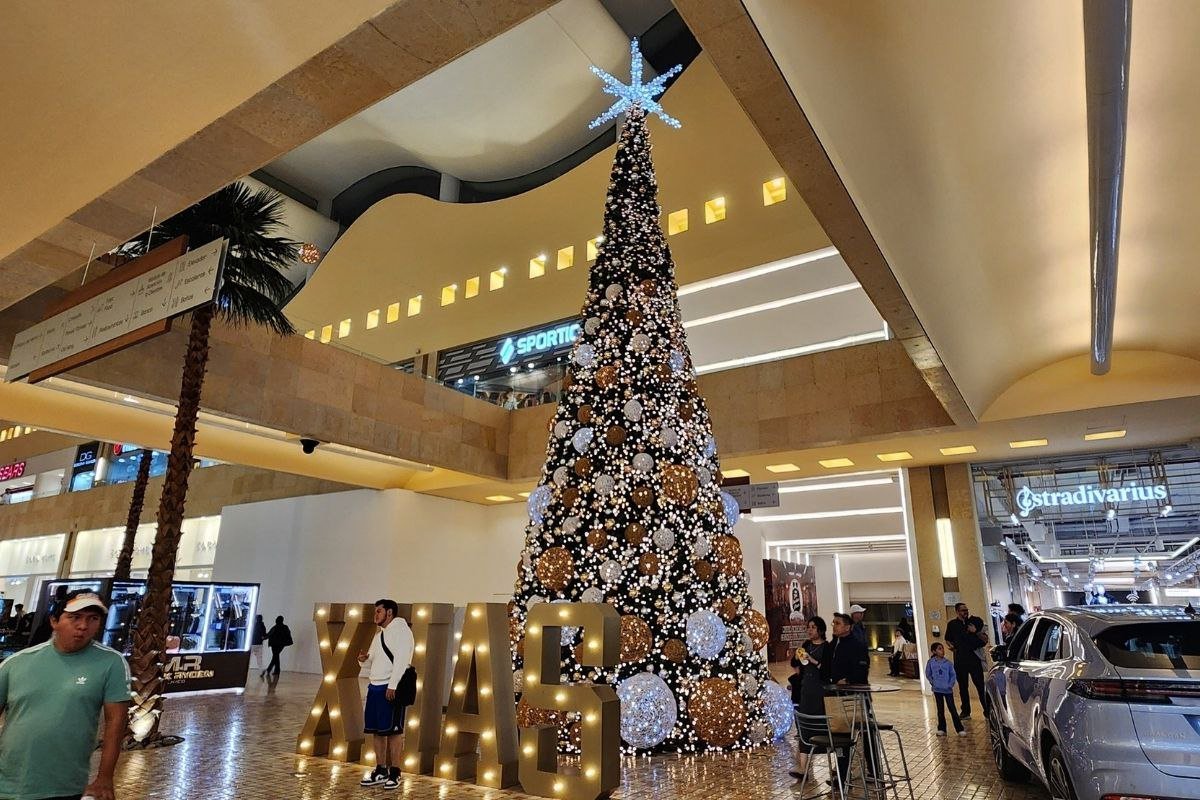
108, 315
755, 495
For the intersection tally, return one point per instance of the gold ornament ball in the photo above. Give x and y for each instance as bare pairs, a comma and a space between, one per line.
597, 538
529, 716
649, 563
642, 496
583, 467
674, 650
615, 435
635, 638
554, 568
679, 483
606, 376
757, 628
570, 496
704, 570
727, 609
635, 532
727, 552
686, 411
633, 316
717, 712
584, 414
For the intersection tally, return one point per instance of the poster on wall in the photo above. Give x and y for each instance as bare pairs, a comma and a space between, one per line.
791, 594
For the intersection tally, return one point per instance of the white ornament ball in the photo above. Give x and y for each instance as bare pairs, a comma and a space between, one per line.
582, 439
670, 437
664, 539
633, 410
705, 634
605, 485
518, 680
585, 355
760, 732
702, 547
591, 326
613, 291
526, 560
704, 475
610, 571
640, 343
561, 429
778, 705
561, 476
643, 462
534, 600
749, 685
592, 595
648, 710
570, 525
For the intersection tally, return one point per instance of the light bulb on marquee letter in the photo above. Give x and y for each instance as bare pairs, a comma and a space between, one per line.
431, 645
335, 726
598, 705
481, 715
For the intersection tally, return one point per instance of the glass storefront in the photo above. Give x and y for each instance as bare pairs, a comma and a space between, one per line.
25, 564
1117, 527
524, 368
96, 551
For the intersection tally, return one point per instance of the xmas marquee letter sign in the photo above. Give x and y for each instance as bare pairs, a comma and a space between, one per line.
335, 727
431, 623
598, 706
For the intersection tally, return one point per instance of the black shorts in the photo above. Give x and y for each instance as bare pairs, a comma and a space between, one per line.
382, 716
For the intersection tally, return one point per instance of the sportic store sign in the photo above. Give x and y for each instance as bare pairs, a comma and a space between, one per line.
1028, 499
543, 341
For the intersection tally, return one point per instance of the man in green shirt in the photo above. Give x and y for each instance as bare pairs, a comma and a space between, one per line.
51, 696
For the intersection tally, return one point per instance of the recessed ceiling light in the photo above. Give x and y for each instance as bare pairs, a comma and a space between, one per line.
1100, 435
1028, 443
834, 463
901, 455
498, 498
735, 473
782, 468
961, 450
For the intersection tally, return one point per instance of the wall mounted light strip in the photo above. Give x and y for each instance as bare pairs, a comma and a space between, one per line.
771, 305
821, 487
853, 512
880, 537
755, 272
777, 355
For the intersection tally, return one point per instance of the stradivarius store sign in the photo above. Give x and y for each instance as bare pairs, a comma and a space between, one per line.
1028, 499
540, 341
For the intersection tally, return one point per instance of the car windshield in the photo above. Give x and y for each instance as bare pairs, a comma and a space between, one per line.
1152, 645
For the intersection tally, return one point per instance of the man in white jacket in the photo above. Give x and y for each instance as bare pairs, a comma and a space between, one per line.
389, 658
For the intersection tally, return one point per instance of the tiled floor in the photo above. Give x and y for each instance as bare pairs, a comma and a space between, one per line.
240, 746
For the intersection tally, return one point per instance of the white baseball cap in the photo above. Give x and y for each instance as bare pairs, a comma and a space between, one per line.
85, 600
857, 609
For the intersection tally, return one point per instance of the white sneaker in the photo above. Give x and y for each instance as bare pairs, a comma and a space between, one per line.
393, 779
962, 733
941, 733
375, 777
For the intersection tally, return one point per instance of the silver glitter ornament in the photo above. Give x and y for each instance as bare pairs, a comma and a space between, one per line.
539, 501
778, 705
705, 634
749, 685
702, 547
648, 710
677, 361
605, 485
592, 595
640, 343
570, 525
561, 429
567, 637
669, 437
704, 476
591, 326
561, 476
633, 410
613, 291
733, 511
664, 539
610, 571
643, 462
585, 355
581, 439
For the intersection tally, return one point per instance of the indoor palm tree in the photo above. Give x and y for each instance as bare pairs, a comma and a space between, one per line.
125, 558
252, 289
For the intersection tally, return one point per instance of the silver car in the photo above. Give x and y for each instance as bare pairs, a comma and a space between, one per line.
1100, 703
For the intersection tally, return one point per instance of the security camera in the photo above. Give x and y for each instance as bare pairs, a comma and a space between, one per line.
309, 446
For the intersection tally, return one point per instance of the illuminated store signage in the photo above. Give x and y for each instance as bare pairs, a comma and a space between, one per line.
1028, 499
10, 471
539, 341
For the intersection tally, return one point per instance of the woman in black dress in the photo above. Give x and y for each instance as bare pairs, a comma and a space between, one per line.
808, 689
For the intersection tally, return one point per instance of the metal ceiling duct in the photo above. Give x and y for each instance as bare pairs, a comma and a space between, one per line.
1106, 38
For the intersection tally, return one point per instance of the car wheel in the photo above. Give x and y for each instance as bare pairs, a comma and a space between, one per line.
1008, 767
1057, 776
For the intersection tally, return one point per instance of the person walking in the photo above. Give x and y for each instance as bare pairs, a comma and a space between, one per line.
391, 689
967, 637
256, 640
942, 677
808, 690
279, 637
51, 696
897, 656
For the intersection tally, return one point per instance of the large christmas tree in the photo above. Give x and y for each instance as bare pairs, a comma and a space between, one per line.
629, 510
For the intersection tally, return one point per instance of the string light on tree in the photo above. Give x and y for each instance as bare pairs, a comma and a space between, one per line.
627, 508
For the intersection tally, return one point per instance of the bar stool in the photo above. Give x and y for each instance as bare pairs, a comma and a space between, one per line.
885, 777
815, 732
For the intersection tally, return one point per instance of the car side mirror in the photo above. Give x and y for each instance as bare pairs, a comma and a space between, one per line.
999, 654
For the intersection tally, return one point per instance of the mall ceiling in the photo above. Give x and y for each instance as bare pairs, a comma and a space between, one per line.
959, 131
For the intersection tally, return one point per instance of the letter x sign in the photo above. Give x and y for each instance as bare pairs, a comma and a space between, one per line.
334, 727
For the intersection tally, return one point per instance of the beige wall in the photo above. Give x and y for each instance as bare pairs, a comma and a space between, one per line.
209, 490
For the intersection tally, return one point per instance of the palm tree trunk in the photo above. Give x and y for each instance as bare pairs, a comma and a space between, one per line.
150, 635
125, 559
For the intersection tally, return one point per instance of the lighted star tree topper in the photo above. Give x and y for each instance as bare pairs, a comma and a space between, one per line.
629, 509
